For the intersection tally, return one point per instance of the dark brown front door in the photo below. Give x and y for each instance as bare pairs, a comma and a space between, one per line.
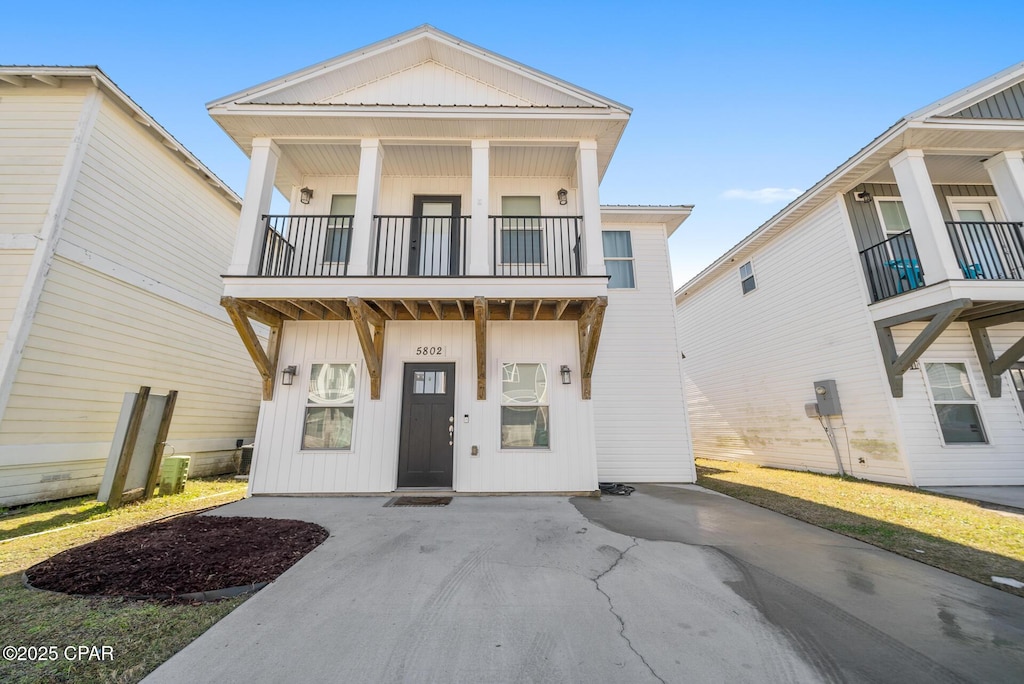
425, 447
435, 236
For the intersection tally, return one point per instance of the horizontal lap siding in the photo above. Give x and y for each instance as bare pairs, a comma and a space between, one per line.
36, 126
281, 466
639, 408
751, 360
138, 205
95, 337
1001, 462
14, 265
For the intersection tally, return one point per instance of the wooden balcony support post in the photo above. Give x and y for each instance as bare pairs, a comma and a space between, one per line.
372, 343
265, 360
480, 328
939, 317
589, 327
992, 366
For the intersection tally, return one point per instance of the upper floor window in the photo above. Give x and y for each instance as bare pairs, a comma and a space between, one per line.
747, 277
339, 227
618, 259
894, 216
522, 236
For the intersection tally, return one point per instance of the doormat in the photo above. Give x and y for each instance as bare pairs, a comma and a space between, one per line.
419, 501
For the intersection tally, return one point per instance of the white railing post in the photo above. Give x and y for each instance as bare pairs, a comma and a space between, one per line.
480, 237
259, 189
371, 157
590, 203
938, 260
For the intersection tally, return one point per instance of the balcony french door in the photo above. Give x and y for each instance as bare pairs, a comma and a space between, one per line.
434, 239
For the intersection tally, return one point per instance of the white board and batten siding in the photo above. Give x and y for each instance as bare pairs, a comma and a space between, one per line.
281, 466
751, 360
641, 424
935, 464
130, 299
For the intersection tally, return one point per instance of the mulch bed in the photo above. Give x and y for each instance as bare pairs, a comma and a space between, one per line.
197, 553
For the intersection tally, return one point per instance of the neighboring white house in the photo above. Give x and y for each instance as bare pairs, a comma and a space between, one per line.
112, 241
450, 305
900, 276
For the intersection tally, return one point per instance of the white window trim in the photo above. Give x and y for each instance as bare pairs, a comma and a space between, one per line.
302, 380
976, 401
753, 275
548, 366
636, 281
881, 218
992, 201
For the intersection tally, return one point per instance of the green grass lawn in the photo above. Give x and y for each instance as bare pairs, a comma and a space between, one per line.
958, 536
140, 634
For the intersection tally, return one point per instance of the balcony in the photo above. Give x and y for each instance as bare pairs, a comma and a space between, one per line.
892, 266
306, 246
988, 251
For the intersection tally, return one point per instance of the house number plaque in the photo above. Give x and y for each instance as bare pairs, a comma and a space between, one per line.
437, 350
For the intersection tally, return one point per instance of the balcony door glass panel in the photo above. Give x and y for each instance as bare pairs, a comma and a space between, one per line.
979, 255
434, 247
894, 217
339, 228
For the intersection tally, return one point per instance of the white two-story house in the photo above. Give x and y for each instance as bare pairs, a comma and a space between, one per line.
449, 304
899, 277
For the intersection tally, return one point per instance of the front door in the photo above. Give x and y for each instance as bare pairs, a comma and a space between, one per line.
426, 444
434, 239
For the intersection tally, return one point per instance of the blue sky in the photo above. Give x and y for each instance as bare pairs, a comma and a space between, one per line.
736, 106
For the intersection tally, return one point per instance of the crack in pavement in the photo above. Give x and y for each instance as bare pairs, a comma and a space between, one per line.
611, 608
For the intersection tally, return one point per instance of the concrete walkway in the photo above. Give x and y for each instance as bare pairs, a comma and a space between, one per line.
672, 584
1007, 495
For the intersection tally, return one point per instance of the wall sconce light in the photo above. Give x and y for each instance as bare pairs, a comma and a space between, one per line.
288, 374
863, 197
566, 375
563, 196
305, 194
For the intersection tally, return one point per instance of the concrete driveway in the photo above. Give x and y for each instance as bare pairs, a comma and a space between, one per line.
672, 584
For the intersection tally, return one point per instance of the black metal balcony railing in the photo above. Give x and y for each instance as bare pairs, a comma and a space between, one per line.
892, 266
305, 246
420, 245
537, 245
990, 250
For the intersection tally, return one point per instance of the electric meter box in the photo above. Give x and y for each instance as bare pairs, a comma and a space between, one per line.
827, 396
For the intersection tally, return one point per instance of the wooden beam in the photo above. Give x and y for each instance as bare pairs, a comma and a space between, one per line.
536, 309
311, 307
480, 329
161, 440
257, 311
286, 309
264, 365
363, 318
436, 307
983, 348
124, 459
48, 80
388, 308
13, 80
560, 308
339, 309
413, 308
997, 317
511, 308
462, 309
896, 365
1009, 357
590, 325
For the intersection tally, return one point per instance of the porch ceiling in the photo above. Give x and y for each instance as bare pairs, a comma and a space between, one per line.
945, 169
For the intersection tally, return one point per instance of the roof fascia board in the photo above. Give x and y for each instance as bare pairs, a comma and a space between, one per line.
399, 111
425, 30
961, 99
101, 80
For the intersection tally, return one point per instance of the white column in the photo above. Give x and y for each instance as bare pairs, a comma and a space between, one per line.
938, 261
258, 190
480, 237
590, 203
1006, 170
371, 157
